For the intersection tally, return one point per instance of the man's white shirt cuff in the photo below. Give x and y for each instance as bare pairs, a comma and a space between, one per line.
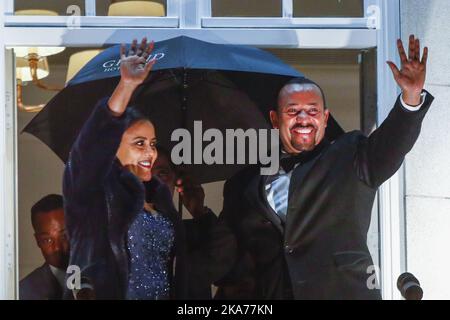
413, 108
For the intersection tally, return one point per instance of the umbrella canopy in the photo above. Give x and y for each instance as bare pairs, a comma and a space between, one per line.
223, 86
189, 53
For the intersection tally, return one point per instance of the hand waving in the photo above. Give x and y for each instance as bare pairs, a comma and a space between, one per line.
134, 67
411, 77
193, 196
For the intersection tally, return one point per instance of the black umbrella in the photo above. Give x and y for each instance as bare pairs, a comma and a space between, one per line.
224, 86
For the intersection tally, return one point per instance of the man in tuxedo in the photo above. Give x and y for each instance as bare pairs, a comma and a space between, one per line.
47, 281
193, 197
306, 227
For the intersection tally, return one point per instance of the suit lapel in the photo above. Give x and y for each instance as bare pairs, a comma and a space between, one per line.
54, 289
305, 166
256, 195
297, 178
297, 185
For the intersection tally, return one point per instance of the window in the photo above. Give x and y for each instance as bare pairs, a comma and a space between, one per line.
103, 7
245, 8
152, 8
58, 6
328, 8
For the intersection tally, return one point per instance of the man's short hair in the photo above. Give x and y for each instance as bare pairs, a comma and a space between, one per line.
303, 81
46, 204
165, 153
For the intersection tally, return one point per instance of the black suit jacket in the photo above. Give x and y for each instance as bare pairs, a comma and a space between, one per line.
40, 284
199, 284
320, 252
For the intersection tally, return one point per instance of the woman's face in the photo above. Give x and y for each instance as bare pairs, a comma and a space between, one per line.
137, 150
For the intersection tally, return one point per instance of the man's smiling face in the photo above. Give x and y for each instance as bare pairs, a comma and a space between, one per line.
301, 117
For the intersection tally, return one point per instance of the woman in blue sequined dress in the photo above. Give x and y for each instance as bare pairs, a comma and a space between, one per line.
125, 233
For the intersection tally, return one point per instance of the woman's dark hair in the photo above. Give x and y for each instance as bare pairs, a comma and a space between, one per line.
165, 153
134, 114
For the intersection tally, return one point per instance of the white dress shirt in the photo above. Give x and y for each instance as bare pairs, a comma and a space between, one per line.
60, 275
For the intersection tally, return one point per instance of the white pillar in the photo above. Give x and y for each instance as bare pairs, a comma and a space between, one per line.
391, 193
90, 7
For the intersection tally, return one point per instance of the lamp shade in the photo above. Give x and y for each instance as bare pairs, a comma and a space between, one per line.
39, 51
78, 60
24, 52
35, 12
137, 8
23, 70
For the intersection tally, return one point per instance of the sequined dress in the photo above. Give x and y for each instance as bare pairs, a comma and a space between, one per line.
150, 241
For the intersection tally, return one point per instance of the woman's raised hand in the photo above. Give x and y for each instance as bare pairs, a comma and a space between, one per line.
134, 67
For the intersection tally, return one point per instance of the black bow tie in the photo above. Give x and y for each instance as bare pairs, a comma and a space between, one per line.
288, 161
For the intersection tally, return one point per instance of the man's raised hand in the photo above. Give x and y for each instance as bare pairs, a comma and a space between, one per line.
411, 76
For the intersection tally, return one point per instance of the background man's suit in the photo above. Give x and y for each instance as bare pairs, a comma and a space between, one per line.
321, 251
40, 284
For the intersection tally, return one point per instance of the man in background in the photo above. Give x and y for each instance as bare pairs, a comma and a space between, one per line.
193, 197
47, 282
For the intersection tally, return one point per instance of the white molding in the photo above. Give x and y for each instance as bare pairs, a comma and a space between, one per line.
391, 193
190, 15
372, 13
3, 220
10, 175
172, 8
282, 38
287, 7
8, 7
90, 7
204, 9
324, 23
98, 22
8, 256
368, 3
